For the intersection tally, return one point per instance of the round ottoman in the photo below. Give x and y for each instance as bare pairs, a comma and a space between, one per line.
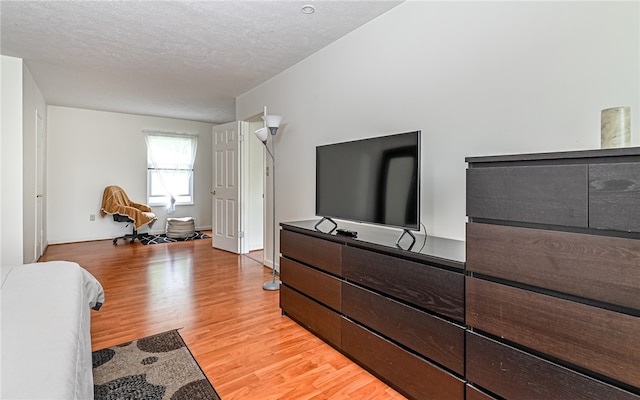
180, 228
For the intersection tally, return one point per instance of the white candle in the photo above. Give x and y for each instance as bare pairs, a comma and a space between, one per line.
615, 127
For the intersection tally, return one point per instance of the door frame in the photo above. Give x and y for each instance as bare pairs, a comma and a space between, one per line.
255, 197
40, 188
252, 200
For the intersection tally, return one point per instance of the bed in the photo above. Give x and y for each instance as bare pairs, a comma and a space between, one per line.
45, 331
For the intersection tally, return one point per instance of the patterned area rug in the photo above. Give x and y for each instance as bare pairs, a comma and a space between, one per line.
158, 239
154, 368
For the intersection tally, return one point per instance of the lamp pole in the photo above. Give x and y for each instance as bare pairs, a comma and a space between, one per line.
273, 284
272, 122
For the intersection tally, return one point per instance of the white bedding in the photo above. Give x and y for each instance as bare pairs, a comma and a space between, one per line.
45, 348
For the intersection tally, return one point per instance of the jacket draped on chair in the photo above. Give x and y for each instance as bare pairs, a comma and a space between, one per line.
116, 201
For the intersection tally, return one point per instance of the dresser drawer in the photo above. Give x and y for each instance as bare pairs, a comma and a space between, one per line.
432, 337
319, 253
424, 286
312, 315
601, 268
320, 286
555, 194
407, 373
614, 196
600, 340
514, 374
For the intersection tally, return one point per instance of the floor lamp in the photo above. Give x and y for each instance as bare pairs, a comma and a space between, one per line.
272, 123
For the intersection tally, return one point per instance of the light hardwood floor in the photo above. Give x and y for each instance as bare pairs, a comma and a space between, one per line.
233, 327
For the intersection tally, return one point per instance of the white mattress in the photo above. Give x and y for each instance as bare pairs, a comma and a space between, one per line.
45, 332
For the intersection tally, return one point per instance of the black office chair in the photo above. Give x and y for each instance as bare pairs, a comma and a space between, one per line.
116, 202
133, 235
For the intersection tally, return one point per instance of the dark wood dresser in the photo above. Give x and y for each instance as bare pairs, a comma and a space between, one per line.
398, 313
553, 276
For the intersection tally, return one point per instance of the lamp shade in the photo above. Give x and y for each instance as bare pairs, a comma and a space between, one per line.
272, 121
262, 134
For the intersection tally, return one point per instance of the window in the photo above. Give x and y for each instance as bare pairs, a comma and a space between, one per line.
170, 159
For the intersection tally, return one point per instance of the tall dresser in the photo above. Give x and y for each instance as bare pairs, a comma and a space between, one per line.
552, 280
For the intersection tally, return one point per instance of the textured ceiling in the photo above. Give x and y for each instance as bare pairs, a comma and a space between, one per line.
178, 59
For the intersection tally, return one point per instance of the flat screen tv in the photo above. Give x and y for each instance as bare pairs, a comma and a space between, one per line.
375, 180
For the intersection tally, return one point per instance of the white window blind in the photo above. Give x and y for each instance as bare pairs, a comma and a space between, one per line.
170, 159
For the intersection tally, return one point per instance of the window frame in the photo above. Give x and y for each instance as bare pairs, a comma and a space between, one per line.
154, 199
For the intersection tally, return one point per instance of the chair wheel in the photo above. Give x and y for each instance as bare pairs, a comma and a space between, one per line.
115, 241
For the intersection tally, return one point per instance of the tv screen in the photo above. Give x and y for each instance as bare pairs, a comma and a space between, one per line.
374, 180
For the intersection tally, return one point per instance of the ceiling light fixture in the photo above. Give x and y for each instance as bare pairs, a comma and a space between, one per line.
308, 9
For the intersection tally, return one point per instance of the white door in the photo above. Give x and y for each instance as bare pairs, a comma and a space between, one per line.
226, 188
40, 170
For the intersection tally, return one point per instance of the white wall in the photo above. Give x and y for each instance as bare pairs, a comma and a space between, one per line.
89, 150
33, 101
478, 78
11, 161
